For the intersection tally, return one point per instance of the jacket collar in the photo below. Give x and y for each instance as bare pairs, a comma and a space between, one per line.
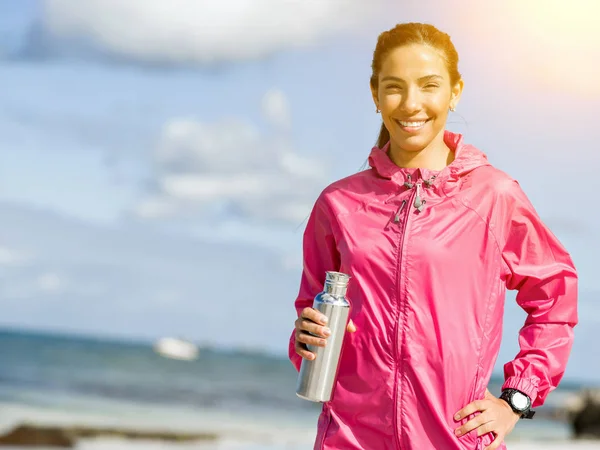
466, 159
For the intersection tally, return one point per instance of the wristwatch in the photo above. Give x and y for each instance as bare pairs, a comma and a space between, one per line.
519, 402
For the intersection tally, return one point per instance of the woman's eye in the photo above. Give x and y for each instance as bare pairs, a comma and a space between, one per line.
431, 86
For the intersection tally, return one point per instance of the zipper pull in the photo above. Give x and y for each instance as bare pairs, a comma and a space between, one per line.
400, 208
419, 202
408, 184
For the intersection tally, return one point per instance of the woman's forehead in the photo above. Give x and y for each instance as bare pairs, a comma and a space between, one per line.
414, 61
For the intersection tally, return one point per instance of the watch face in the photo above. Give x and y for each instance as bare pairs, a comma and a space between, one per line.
520, 401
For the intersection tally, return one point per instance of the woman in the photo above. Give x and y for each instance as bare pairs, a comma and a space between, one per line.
432, 236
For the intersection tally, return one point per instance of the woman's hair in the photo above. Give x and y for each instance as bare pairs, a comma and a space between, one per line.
406, 34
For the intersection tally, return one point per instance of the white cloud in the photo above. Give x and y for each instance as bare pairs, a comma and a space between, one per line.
154, 207
276, 109
209, 187
11, 257
231, 166
49, 282
135, 281
201, 31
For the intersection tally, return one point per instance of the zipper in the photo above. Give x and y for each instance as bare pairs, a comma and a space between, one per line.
418, 202
398, 351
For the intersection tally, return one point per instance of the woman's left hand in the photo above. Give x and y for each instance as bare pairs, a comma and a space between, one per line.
496, 416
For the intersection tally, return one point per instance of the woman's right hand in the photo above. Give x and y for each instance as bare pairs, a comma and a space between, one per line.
311, 329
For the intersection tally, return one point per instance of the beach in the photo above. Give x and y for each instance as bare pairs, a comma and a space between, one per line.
239, 401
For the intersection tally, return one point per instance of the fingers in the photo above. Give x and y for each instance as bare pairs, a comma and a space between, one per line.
482, 423
303, 351
496, 419
471, 408
308, 339
310, 330
314, 315
496, 443
312, 321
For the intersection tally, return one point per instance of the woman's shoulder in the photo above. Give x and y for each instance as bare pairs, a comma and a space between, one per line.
352, 182
491, 179
492, 191
349, 192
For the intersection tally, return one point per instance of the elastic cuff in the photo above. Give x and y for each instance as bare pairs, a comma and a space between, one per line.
525, 385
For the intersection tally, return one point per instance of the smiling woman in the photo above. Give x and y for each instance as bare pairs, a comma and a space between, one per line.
431, 236
415, 82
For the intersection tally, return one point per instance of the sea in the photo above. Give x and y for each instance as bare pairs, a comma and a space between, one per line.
247, 399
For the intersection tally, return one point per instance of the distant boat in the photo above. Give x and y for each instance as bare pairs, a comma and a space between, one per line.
176, 348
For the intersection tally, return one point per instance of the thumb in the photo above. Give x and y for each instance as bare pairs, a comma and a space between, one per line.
351, 327
488, 394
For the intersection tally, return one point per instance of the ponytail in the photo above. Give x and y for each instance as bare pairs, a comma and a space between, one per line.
384, 136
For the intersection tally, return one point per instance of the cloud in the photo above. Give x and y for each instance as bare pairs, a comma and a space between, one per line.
10, 257
49, 282
134, 281
192, 31
276, 109
231, 167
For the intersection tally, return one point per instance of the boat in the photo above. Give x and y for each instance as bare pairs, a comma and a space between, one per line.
176, 348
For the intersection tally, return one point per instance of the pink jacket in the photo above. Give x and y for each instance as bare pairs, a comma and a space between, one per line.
427, 297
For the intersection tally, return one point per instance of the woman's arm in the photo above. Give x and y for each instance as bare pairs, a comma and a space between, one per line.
541, 270
320, 254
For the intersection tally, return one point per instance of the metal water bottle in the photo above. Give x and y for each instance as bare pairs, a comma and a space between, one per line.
317, 376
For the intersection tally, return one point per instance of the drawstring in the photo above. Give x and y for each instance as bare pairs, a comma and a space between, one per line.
419, 203
397, 216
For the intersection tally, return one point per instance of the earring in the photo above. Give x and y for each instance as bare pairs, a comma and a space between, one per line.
377, 111
452, 108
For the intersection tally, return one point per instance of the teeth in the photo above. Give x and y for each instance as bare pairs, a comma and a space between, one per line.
412, 124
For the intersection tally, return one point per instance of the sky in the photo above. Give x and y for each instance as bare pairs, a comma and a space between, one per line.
158, 161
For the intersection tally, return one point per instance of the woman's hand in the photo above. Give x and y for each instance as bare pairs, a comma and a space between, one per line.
496, 416
311, 329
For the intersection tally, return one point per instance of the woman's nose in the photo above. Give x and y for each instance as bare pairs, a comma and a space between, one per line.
411, 102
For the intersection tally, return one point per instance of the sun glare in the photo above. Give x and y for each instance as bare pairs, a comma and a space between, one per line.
564, 41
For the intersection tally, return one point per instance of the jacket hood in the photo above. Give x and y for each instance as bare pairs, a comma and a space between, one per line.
467, 158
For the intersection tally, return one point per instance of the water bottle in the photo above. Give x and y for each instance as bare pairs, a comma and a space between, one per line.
317, 376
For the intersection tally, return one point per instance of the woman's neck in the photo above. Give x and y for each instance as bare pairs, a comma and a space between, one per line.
435, 156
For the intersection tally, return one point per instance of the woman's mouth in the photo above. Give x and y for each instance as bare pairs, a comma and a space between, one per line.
411, 126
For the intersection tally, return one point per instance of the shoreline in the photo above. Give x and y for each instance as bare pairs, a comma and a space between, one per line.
45, 435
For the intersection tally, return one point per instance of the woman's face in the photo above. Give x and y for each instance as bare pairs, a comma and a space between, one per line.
414, 96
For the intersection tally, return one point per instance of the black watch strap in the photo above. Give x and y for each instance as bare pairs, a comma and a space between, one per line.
529, 414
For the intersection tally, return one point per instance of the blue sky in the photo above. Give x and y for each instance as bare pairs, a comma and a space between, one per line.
156, 166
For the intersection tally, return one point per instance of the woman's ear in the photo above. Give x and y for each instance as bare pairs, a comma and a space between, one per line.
456, 93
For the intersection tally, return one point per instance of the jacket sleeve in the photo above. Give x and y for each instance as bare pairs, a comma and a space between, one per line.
542, 272
320, 254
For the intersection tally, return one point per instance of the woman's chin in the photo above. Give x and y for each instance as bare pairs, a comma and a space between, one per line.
413, 143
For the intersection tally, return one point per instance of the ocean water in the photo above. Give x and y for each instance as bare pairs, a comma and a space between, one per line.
247, 399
